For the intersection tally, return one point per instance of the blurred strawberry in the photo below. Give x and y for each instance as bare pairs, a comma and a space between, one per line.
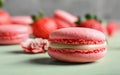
4, 16
90, 21
111, 28
43, 26
92, 24
65, 17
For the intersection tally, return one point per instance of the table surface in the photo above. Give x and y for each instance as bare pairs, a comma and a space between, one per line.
13, 61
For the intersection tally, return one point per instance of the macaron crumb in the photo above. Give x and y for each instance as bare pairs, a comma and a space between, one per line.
34, 46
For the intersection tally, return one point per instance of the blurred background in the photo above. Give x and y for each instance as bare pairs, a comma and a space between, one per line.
107, 9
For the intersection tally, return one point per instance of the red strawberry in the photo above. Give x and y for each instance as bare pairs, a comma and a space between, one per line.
92, 24
91, 21
4, 16
43, 26
66, 17
111, 28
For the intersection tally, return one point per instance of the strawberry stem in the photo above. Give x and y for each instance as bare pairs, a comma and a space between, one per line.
40, 15
1, 3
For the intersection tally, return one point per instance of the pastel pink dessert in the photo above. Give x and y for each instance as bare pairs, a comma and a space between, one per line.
24, 20
66, 17
37, 45
61, 24
13, 34
77, 45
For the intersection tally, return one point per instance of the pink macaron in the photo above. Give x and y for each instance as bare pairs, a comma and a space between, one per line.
24, 20
13, 34
77, 45
65, 17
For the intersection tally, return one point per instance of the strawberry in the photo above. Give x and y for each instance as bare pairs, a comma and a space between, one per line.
65, 17
4, 16
91, 22
43, 26
111, 28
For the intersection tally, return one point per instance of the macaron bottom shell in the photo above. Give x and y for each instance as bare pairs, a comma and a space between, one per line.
13, 39
77, 56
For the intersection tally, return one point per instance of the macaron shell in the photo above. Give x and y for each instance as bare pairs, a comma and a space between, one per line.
76, 57
13, 28
12, 34
77, 33
12, 40
65, 16
61, 24
24, 20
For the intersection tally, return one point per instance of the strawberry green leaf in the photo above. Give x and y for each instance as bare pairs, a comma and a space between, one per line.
102, 21
1, 3
91, 16
39, 16
80, 19
34, 18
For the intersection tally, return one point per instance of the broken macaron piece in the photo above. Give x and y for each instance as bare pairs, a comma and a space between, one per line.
37, 45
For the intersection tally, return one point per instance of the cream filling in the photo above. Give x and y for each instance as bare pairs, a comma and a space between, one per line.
84, 47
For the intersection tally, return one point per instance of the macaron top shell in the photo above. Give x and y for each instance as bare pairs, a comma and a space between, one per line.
13, 29
26, 20
78, 35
